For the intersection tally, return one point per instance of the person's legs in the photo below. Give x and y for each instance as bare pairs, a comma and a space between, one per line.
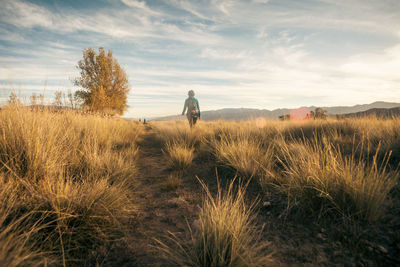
190, 119
194, 120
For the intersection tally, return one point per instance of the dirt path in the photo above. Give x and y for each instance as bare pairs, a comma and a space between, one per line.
161, 210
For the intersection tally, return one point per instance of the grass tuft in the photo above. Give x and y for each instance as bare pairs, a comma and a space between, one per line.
242, 152
172, 183
226, 234
179, 156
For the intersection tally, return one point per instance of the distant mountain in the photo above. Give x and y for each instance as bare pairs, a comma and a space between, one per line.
236, 114
359, 108
241, 114
378, 112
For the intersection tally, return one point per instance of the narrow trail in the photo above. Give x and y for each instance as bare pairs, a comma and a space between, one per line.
159, 210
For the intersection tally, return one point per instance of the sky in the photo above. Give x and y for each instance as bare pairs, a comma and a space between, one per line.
263, 54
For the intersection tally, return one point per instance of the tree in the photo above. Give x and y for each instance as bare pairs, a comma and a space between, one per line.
319, 113
104, 83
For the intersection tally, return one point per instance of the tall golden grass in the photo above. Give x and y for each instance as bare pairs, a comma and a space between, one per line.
179, 142
72, 174
226, 234
179, 155
66, 180
346, 167
179, 132
17, 247
243, 152
316, 176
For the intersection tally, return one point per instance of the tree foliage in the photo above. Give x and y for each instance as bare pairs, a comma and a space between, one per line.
319, 113
104, 83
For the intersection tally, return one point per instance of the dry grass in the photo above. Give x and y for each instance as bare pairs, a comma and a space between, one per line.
73, 173
36, 144
323, 166
179, 156
17, 245
242, 152
66, 181
180, 132
317, 177
172, 183
226, 234
86, 214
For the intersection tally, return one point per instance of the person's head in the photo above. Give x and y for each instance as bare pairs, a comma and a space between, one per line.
191, 93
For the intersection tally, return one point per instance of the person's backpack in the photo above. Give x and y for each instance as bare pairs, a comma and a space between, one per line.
194, 109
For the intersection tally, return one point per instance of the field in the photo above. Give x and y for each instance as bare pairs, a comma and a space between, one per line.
85, 190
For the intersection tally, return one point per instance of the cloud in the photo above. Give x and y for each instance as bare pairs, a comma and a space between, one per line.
384, 66
224, 6
24, 14
7, 35
134, 3
141, 5
190, 7
125, 24
261, 1
212, 53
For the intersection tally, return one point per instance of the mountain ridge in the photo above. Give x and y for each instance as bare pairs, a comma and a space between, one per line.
241, 114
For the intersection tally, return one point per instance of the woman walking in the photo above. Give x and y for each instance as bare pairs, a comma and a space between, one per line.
193, 109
